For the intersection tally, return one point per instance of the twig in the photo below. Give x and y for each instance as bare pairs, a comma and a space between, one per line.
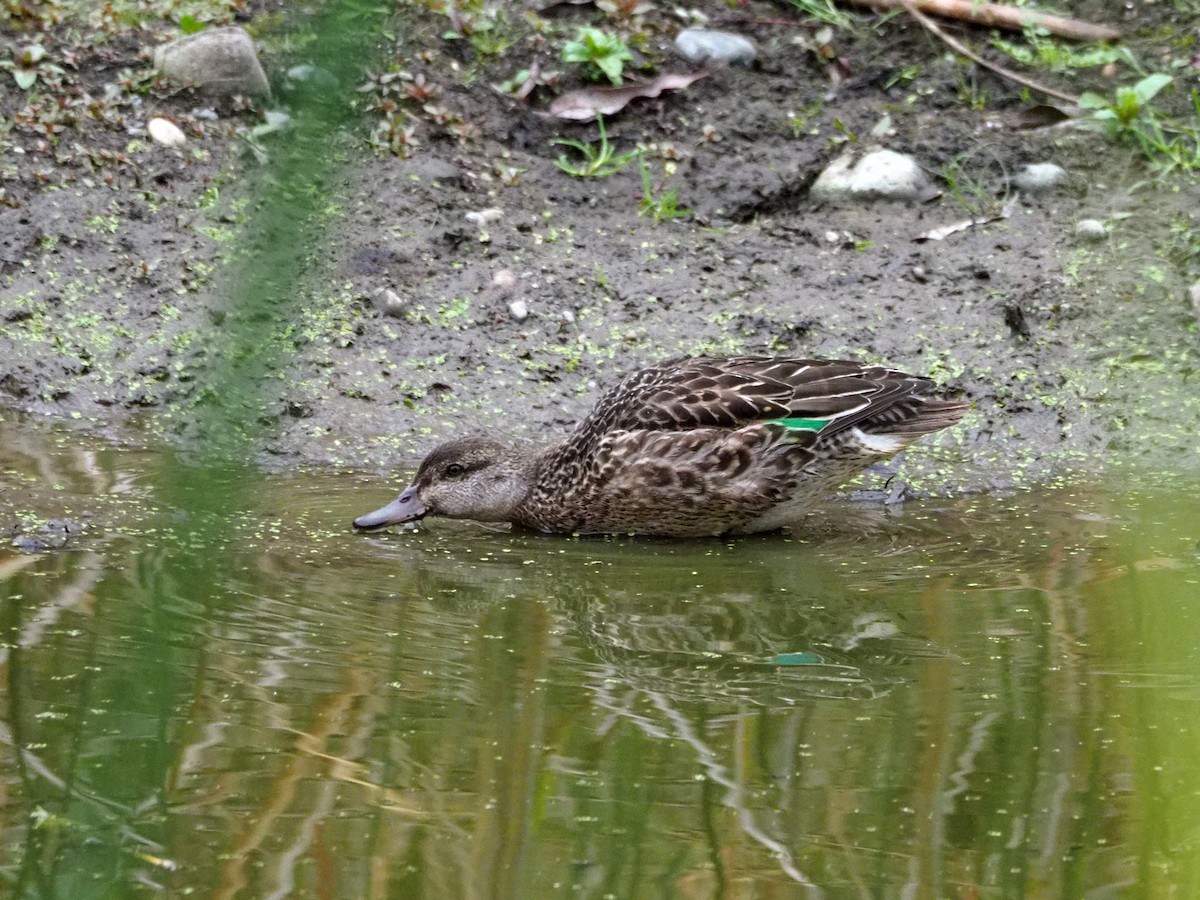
959, 47
1013, 18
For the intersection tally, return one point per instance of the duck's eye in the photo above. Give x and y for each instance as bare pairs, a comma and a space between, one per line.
454, 470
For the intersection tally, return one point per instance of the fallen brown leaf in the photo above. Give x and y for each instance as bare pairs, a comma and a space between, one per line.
584, 105
938, 234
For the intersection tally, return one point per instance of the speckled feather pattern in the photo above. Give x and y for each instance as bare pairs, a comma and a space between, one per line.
693, 447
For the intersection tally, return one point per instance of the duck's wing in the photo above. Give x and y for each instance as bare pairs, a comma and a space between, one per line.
815, 395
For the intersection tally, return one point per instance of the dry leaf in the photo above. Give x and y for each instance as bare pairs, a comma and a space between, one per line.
937, 234
584, 105
1043, 115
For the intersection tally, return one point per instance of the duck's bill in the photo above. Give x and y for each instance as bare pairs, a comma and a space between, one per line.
405, 508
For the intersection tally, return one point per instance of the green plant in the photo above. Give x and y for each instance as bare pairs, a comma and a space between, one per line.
663, 207
599, 159
968, 188
603, 54
1129, 117
824, 11
486, 28
29, 65
1040, 49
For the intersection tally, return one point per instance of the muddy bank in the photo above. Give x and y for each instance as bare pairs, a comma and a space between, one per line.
120, 273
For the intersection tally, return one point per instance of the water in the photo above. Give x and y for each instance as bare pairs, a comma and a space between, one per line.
240, 697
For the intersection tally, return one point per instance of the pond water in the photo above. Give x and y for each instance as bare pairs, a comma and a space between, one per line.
219, 690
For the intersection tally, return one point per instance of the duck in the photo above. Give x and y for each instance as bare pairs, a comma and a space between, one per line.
688, 448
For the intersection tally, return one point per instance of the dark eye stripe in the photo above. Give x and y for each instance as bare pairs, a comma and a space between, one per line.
458, 470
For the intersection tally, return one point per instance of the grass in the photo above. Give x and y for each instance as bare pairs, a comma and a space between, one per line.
1130, 117
600, 159
660, 207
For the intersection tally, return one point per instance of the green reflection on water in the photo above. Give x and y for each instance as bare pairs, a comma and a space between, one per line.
997, 698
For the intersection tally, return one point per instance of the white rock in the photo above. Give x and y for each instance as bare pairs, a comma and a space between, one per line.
483, 217
388, 302
165, 132
1091, 230
277, 119
1194, 296
519, 310
1037, 178
505, 280
216, 60
702, 47
880, 174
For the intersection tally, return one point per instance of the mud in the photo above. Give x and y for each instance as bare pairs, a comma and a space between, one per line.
117, 271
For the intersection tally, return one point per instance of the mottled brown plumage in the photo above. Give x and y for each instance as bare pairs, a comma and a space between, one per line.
692, 447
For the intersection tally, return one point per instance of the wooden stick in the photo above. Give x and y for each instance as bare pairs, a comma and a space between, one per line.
993, 15
959, 47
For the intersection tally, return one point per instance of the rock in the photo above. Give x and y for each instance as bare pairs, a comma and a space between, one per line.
702, 47
308, 75
519, 310
1037, 178
27, 543
879, 175
1091, 230
165, 132
504, 281
484, 217
388, 302
218, 61
53, 535
277, 119
1194, 296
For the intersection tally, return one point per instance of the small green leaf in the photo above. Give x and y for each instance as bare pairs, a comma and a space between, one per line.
25, 78
190, 24
1088, 100
1145, 89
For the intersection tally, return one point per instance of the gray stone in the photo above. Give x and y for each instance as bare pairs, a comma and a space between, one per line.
306, 73
1194, 296
879, 175
702, 47
388, 302
1091, 230
217, 61
519, 310
1037, 178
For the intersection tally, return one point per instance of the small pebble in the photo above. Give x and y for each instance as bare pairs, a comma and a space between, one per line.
484, 216
277, 119
505, 281
306, 73
568, 317
1037, 178
165, 132
1091, 230
1194, 296
703, 47
388, 302
518, 310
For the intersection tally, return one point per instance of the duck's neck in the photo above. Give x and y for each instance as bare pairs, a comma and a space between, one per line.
553, 473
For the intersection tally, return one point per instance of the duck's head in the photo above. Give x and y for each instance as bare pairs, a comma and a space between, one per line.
469, 478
